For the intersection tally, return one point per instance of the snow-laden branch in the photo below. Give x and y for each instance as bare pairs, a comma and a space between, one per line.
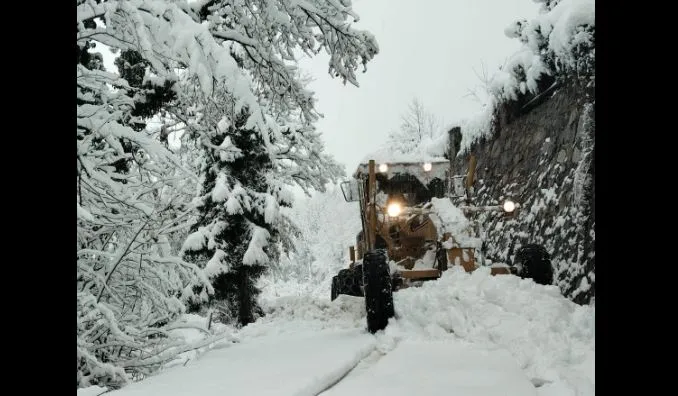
270, 33
213, 65
560, 41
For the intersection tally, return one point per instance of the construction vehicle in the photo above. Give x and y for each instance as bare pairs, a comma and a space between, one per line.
402, 243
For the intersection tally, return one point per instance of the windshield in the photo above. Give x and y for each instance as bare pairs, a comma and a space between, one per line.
409, 190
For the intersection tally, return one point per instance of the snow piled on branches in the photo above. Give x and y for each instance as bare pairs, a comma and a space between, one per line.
556, 42
133, 192
328, 225
559, 42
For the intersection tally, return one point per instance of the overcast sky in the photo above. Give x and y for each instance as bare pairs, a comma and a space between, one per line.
429, 49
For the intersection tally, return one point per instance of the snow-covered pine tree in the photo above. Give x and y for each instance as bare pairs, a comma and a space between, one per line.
263, 38
237, 219
240, 231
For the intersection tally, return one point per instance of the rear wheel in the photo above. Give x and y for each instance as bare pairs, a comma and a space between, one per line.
534, 262
347, 281
378, 290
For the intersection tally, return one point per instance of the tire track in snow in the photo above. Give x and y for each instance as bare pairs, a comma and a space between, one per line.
384, 345
345, 374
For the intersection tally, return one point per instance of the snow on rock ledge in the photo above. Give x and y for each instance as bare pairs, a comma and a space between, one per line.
551, 45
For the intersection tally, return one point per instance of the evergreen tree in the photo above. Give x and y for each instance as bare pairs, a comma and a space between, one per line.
238, 217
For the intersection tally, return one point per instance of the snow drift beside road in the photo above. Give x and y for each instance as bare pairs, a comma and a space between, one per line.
551, 338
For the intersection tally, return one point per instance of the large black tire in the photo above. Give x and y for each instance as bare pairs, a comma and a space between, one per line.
347, 281
378, 290
534, 262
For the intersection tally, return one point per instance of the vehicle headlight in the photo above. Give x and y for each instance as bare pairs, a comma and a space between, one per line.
428, 166
394, 209
383, 168
509, 206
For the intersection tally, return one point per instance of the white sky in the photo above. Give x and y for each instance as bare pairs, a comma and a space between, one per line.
428, 49
434, 50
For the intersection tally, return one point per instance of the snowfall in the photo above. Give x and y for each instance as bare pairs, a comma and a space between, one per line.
464, 334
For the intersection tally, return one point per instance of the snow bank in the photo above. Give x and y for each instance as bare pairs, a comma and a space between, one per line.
551, 338
477, 126
193, 327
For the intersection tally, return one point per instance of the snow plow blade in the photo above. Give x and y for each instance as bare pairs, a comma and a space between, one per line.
420, 274
434, 273
500, 270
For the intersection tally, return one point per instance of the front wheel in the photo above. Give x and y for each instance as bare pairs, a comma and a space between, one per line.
378, 290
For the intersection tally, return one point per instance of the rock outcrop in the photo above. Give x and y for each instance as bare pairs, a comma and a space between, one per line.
542, 156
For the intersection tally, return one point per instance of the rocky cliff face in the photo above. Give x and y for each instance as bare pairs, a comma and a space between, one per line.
542, 158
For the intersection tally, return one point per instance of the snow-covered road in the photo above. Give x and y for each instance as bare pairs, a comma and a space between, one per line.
295, 365
323, 363
465, 334
438, 367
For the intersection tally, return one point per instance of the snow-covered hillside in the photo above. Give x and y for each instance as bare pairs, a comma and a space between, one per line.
496, 328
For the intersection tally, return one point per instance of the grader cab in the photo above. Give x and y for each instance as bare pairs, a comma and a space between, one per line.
402, 243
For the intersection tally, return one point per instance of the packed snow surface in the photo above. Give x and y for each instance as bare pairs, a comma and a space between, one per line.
429, 367
300, 364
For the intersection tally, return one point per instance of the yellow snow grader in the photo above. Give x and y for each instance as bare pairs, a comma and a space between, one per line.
412, 231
